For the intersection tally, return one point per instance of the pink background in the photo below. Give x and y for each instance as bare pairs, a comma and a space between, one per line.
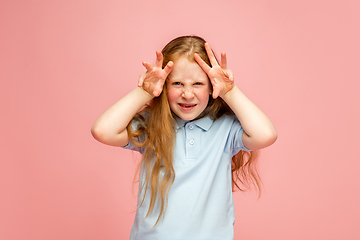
64, 62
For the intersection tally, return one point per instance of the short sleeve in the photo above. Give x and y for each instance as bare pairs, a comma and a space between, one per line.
131, 145
235, 137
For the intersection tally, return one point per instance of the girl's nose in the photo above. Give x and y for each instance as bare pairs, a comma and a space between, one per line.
188, 92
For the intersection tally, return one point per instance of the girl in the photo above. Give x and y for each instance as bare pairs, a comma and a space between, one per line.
196, 131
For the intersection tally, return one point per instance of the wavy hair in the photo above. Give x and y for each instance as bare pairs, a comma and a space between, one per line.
158, 130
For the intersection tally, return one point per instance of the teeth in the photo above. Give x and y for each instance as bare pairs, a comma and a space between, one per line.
187, 105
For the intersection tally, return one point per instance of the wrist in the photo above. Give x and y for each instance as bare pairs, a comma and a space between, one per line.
145, 94
229, 89
229, 94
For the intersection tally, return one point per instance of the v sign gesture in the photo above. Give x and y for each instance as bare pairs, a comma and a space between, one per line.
221, 78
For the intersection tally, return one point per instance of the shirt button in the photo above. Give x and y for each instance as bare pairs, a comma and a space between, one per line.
191, 126
192, 142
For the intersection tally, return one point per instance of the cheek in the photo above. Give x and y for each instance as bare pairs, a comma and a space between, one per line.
203, 94
173, 95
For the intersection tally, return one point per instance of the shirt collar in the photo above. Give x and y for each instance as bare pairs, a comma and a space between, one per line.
204, 123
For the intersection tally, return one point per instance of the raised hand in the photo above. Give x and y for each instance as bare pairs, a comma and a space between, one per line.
221, 78
152, 81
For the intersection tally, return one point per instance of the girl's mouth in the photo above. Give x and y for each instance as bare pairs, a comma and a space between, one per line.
186, 106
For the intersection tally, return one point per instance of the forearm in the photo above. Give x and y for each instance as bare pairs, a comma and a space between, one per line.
110, 127
260, 132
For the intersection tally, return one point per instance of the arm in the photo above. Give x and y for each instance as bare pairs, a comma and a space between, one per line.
110, 127
259, 132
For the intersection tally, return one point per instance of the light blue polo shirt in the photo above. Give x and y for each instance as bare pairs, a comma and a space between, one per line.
200, 203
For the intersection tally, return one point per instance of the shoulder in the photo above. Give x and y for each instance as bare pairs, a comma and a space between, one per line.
140, 120
224, 124
231, 126
228, 120
137, 131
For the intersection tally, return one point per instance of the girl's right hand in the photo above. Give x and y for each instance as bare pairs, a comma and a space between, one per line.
152, 81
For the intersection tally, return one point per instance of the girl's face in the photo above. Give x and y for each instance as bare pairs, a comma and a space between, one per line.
188, 89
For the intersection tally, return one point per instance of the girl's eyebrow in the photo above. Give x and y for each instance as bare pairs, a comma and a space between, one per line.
174, 80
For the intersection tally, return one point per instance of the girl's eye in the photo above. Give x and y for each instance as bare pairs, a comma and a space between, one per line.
176, 83
198, 83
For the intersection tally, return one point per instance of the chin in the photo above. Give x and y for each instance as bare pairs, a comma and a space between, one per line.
187, 119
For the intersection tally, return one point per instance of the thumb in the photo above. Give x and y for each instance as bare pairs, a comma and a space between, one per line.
216, 93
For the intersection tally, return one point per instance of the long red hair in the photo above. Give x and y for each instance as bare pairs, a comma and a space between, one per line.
158, 127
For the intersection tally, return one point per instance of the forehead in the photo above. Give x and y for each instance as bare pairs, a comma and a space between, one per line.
186, 69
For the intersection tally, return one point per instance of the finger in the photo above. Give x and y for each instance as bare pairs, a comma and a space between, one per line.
231, 76
148, 66
168, 67
216, 93
211, 55
201, 63
159, 59
223, 63
158, 89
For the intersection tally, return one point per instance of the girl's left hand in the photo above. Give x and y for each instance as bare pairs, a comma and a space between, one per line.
221, 78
